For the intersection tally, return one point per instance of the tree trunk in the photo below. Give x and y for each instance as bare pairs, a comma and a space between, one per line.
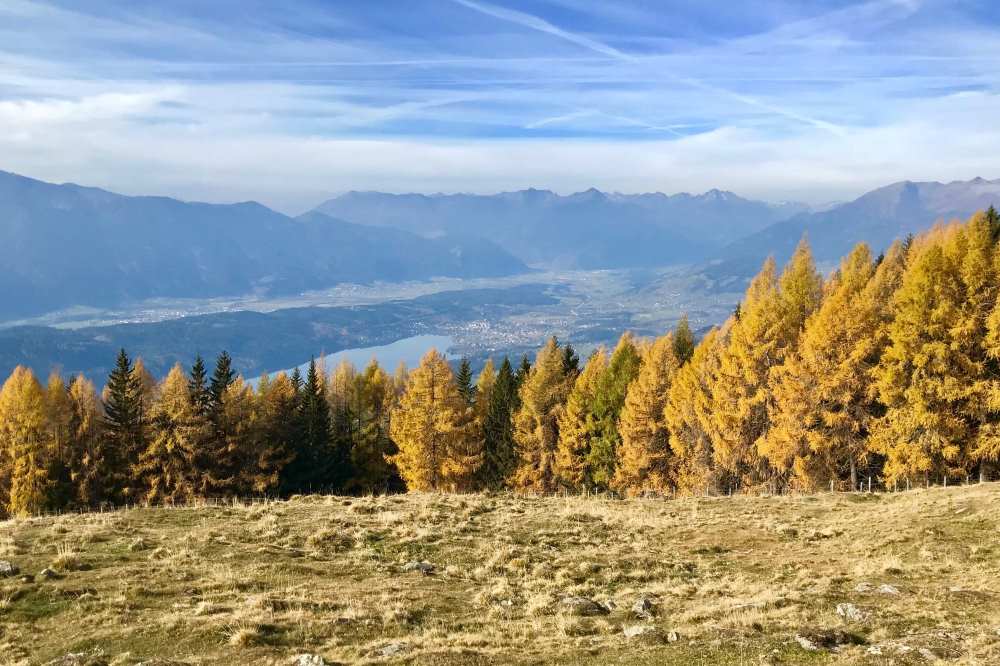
854, 474
984, 472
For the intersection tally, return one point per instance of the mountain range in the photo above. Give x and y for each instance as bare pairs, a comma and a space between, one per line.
586, 230
64, 245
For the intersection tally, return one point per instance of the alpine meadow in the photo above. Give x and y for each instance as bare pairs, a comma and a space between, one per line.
488, 332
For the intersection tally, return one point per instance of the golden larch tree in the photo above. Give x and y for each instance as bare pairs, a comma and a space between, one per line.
645, 456
578, 427
24, 440
536, 423
430, 427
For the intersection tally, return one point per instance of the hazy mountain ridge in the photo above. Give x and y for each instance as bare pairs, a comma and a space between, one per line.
878, 218
65, 245
589, 229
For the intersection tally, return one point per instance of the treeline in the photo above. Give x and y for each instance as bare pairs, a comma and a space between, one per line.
889, 370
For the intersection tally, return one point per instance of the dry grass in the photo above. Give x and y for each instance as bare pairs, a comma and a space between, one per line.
730, 580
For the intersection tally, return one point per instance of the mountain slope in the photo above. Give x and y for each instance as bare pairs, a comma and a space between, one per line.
64, 245
878, 218
584, 230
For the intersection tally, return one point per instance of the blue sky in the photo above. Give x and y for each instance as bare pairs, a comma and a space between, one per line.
291, 102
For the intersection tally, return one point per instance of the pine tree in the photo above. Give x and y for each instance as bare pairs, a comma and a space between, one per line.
430, 427
523, 370
609, 398
499, 453
536, 424
124, 428
923, 427
23, 439
683, 341
168, 466
198, 387
88, 464
579, 427
463, 379
821, 415
222, 377
645, 457
571, 361
690, 418
315, 465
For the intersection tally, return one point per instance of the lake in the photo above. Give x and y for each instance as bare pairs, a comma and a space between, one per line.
408, 351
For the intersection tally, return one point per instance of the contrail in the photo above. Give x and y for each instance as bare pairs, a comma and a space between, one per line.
541, 25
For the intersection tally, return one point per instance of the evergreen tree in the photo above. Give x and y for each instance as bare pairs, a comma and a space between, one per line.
578, 425
683, 341
430, 426
198, 387
536, 424
222, 377
645, 457
123, 427
463, 380
23, 440
523, 370
314, 467
609, 398
499, 453
571, 361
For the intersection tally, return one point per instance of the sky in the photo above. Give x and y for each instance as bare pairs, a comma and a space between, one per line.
290, 103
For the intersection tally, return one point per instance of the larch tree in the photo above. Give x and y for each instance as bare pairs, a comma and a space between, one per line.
373, 472
430, 427
923, 427
88, 464
23, 438
485, 382
58, 417
259, 459
578, 426
343, 396
542, 399
820, 416
609, 398
645, 459
499, 451
168, 466
689, 417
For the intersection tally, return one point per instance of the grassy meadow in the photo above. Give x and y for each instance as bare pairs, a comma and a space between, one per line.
903, 578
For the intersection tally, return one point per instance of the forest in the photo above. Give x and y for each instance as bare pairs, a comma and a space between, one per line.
884, 374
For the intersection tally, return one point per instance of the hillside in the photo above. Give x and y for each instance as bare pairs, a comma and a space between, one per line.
902, 578
65, 245
877, 218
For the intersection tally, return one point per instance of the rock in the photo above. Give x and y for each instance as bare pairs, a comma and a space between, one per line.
47, 574
424, 567
642, 631
582, 606
825, 639
27, 579
637, 630
673, 636
806, 643
851, 612
863, 587
392, 649
875, 650
643, 608
927, 654
309, 660
8, 570
885, 588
